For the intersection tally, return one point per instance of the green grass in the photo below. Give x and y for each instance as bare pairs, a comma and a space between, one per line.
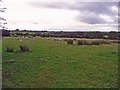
54, 64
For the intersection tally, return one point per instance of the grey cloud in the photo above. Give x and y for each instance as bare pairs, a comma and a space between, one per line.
91, 7
97, 7
53, 5
115, 20
90, 19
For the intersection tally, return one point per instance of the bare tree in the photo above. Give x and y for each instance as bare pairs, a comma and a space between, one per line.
2, 19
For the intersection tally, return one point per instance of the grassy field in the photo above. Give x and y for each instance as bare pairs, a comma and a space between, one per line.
54, 64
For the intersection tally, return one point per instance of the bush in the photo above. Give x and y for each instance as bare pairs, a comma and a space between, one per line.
84, 42
9, 49
106, 42
116, 41
24, 48
93, 42
69, 41
96, 42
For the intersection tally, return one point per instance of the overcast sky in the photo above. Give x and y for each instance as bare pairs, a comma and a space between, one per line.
67, 15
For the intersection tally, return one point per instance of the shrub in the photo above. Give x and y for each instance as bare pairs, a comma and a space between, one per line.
69, 41
9, 49
24, 48
96, 42
93, 42
116, 41
84, 42
106, 42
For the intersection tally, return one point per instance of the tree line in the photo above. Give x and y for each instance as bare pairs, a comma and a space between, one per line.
60, 34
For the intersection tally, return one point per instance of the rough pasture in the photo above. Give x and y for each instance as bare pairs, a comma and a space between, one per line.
55, 64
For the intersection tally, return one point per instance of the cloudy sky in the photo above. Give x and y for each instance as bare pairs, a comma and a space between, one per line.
73, 15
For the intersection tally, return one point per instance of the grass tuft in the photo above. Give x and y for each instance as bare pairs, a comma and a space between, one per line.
9, 49
24, 48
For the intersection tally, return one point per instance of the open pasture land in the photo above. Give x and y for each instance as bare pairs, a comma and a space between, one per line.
53, 63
